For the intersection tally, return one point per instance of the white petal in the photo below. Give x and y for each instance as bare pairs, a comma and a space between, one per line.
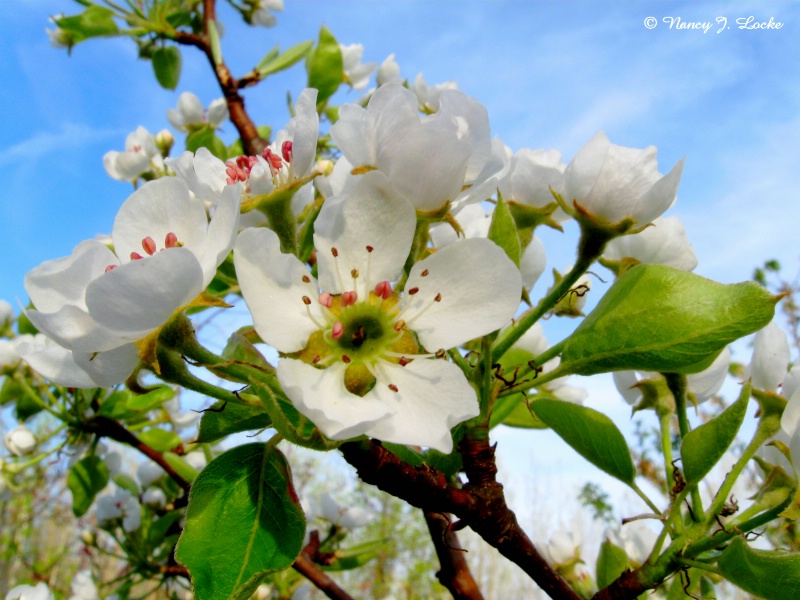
480, 292
203, 173
108, 368
321, 396
55, 363
790, 420
791, 382
305, 129
533, 340
157, 208
76, 329
707, 383
455, 104
273, 288
770, 360
221, 234
190, 109
63, 281
533, 262
433, 397
143, 294
371, 214
665, 243
217, 112
626, 382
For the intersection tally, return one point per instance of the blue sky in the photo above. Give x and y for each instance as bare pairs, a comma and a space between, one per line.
550, 73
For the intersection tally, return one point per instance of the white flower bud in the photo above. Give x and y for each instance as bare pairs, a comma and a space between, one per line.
154, 497
19, 441
6, 312
665, 243
770, 360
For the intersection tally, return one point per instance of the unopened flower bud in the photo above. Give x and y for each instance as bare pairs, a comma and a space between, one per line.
164, 141
19, 441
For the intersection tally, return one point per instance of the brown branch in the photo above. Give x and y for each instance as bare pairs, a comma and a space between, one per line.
626, 586
308, 569
480, 504
252, 142
106, 427
454, 573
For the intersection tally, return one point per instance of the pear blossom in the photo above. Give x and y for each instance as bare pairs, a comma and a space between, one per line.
353, 365
769, 362
97, 303
19, 441
119, 505
6, 312
613, 183
637, 538
83, 586
428, 159
701, 386
263, 14
59, 38
356, 73
290, 157
56, 363
190, 114
532, 175
141, 155
427, 96
389, 71
348, 518
30, 592
665, 243
148, 472
154, 497
563, 547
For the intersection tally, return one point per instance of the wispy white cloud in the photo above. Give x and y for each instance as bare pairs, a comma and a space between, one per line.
68, 136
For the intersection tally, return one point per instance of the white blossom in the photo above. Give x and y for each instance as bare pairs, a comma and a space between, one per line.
356, 73
120, 504
263, 14
141, 155
664, 243
20, 441
190, 114
83, 586
30, 592
770, 359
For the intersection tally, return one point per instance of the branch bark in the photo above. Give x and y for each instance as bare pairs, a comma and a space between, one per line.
308, 569
454, 573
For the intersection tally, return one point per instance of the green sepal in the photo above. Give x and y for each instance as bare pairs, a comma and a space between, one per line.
503, 231
273, 63
325, 66
702, 448
591, 434
167, 65
85, 480
243, 522
356, 556
143, 403
95, 21
772, 575
656, 318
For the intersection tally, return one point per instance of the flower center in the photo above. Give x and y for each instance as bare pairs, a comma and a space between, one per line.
150, 248
277, 161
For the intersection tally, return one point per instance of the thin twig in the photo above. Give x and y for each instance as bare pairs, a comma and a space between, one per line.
308, 569
454, 573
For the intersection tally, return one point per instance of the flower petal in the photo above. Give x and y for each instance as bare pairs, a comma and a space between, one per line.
480, 292
371, 214
221, 234
142, 294
108, 368
304, 129
432, 397
157, 208
75, 329
55, 363
321, 396
62, 281
273, 288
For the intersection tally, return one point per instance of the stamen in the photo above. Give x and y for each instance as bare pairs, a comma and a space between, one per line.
339, 279
438, 297
306, 279
425, 273
326, 299
306, 300
413, 291
337, 331
136, 256
149, 245
286, 151
393, 387
110, 268
440, 353
403, 361
399, 325
348, 299
383, 290
171, 241
315, 360
367, 281
345, 359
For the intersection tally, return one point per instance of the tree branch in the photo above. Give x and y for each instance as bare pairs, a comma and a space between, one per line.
480, 504
454, 573
308, 569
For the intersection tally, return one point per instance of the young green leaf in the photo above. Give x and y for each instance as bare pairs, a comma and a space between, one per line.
702, 448
167, 66
611, 563
503, 231
206, 138
656, 318
243, 522
772, 575
325, 67
591, 434
160, 440
279, 62
86, 479
150, 400
93, 22
223, 419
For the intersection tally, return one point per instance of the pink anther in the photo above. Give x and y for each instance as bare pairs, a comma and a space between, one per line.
326, 299
349, 298
337, 331
286, 151
149, 245
171, 241
383, 290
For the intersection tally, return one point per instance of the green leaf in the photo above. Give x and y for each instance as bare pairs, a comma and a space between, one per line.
325, 67
180, 466
24, 324
611, 563
273, 64
150, 400
656, 318
702, 448
167, 66
85, 480
204, 137
160, 440
243, 521
772, 575
157, 532
213, 38
513, 411
224, 419
268, 57
503, 230
356, 556
287, 421
10, 392
126, 482
591, 434
26, 407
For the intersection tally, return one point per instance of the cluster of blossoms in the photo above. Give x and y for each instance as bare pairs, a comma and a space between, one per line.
364, 345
